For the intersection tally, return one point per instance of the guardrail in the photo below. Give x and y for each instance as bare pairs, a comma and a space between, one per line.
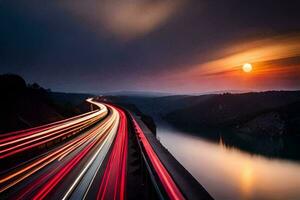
156, 168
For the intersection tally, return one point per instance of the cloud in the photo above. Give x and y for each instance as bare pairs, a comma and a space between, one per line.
262, 53
124, 19
276, 65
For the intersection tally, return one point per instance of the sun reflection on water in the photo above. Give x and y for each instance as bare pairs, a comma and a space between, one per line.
247, 177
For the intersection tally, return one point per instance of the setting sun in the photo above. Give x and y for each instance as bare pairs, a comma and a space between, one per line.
247, 67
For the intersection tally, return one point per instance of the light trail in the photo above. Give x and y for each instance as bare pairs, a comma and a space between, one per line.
170, 186
69, 169
113, 182
13, 145
93, 170
25, 132
58, 154
95, 139
34, 166
46, 189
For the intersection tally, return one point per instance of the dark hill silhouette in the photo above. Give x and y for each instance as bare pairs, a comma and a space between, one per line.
11, 84
264, 123
269, 113
273, 113
24, 106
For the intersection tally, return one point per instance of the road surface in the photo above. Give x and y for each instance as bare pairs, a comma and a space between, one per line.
83, 157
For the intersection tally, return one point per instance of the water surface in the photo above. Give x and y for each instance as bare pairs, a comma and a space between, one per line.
229, 173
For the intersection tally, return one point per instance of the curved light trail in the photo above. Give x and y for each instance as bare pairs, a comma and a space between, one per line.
113, 182
70, 167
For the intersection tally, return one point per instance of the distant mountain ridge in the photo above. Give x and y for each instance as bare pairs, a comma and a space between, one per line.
136, 93
270, 112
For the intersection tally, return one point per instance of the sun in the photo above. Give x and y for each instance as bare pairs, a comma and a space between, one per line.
247, 67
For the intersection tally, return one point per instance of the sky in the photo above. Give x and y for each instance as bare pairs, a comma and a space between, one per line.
178, 46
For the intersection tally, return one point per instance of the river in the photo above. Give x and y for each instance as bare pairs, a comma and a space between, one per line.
229, 173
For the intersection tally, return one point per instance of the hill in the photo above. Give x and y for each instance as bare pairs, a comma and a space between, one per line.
25, 105
272, 113
266, 113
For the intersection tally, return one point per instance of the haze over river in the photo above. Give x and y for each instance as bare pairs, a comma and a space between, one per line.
229, 173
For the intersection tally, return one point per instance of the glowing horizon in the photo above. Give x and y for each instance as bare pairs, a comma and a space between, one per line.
276, 64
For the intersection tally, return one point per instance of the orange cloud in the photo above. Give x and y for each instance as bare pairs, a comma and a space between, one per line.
275, 61
257, 53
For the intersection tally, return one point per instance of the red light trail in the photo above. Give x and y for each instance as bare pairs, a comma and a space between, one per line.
71, 166
113, 182
164, 176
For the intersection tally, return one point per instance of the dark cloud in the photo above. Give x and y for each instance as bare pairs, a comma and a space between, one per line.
81, 46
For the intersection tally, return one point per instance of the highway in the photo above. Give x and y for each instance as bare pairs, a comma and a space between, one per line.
88, 156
